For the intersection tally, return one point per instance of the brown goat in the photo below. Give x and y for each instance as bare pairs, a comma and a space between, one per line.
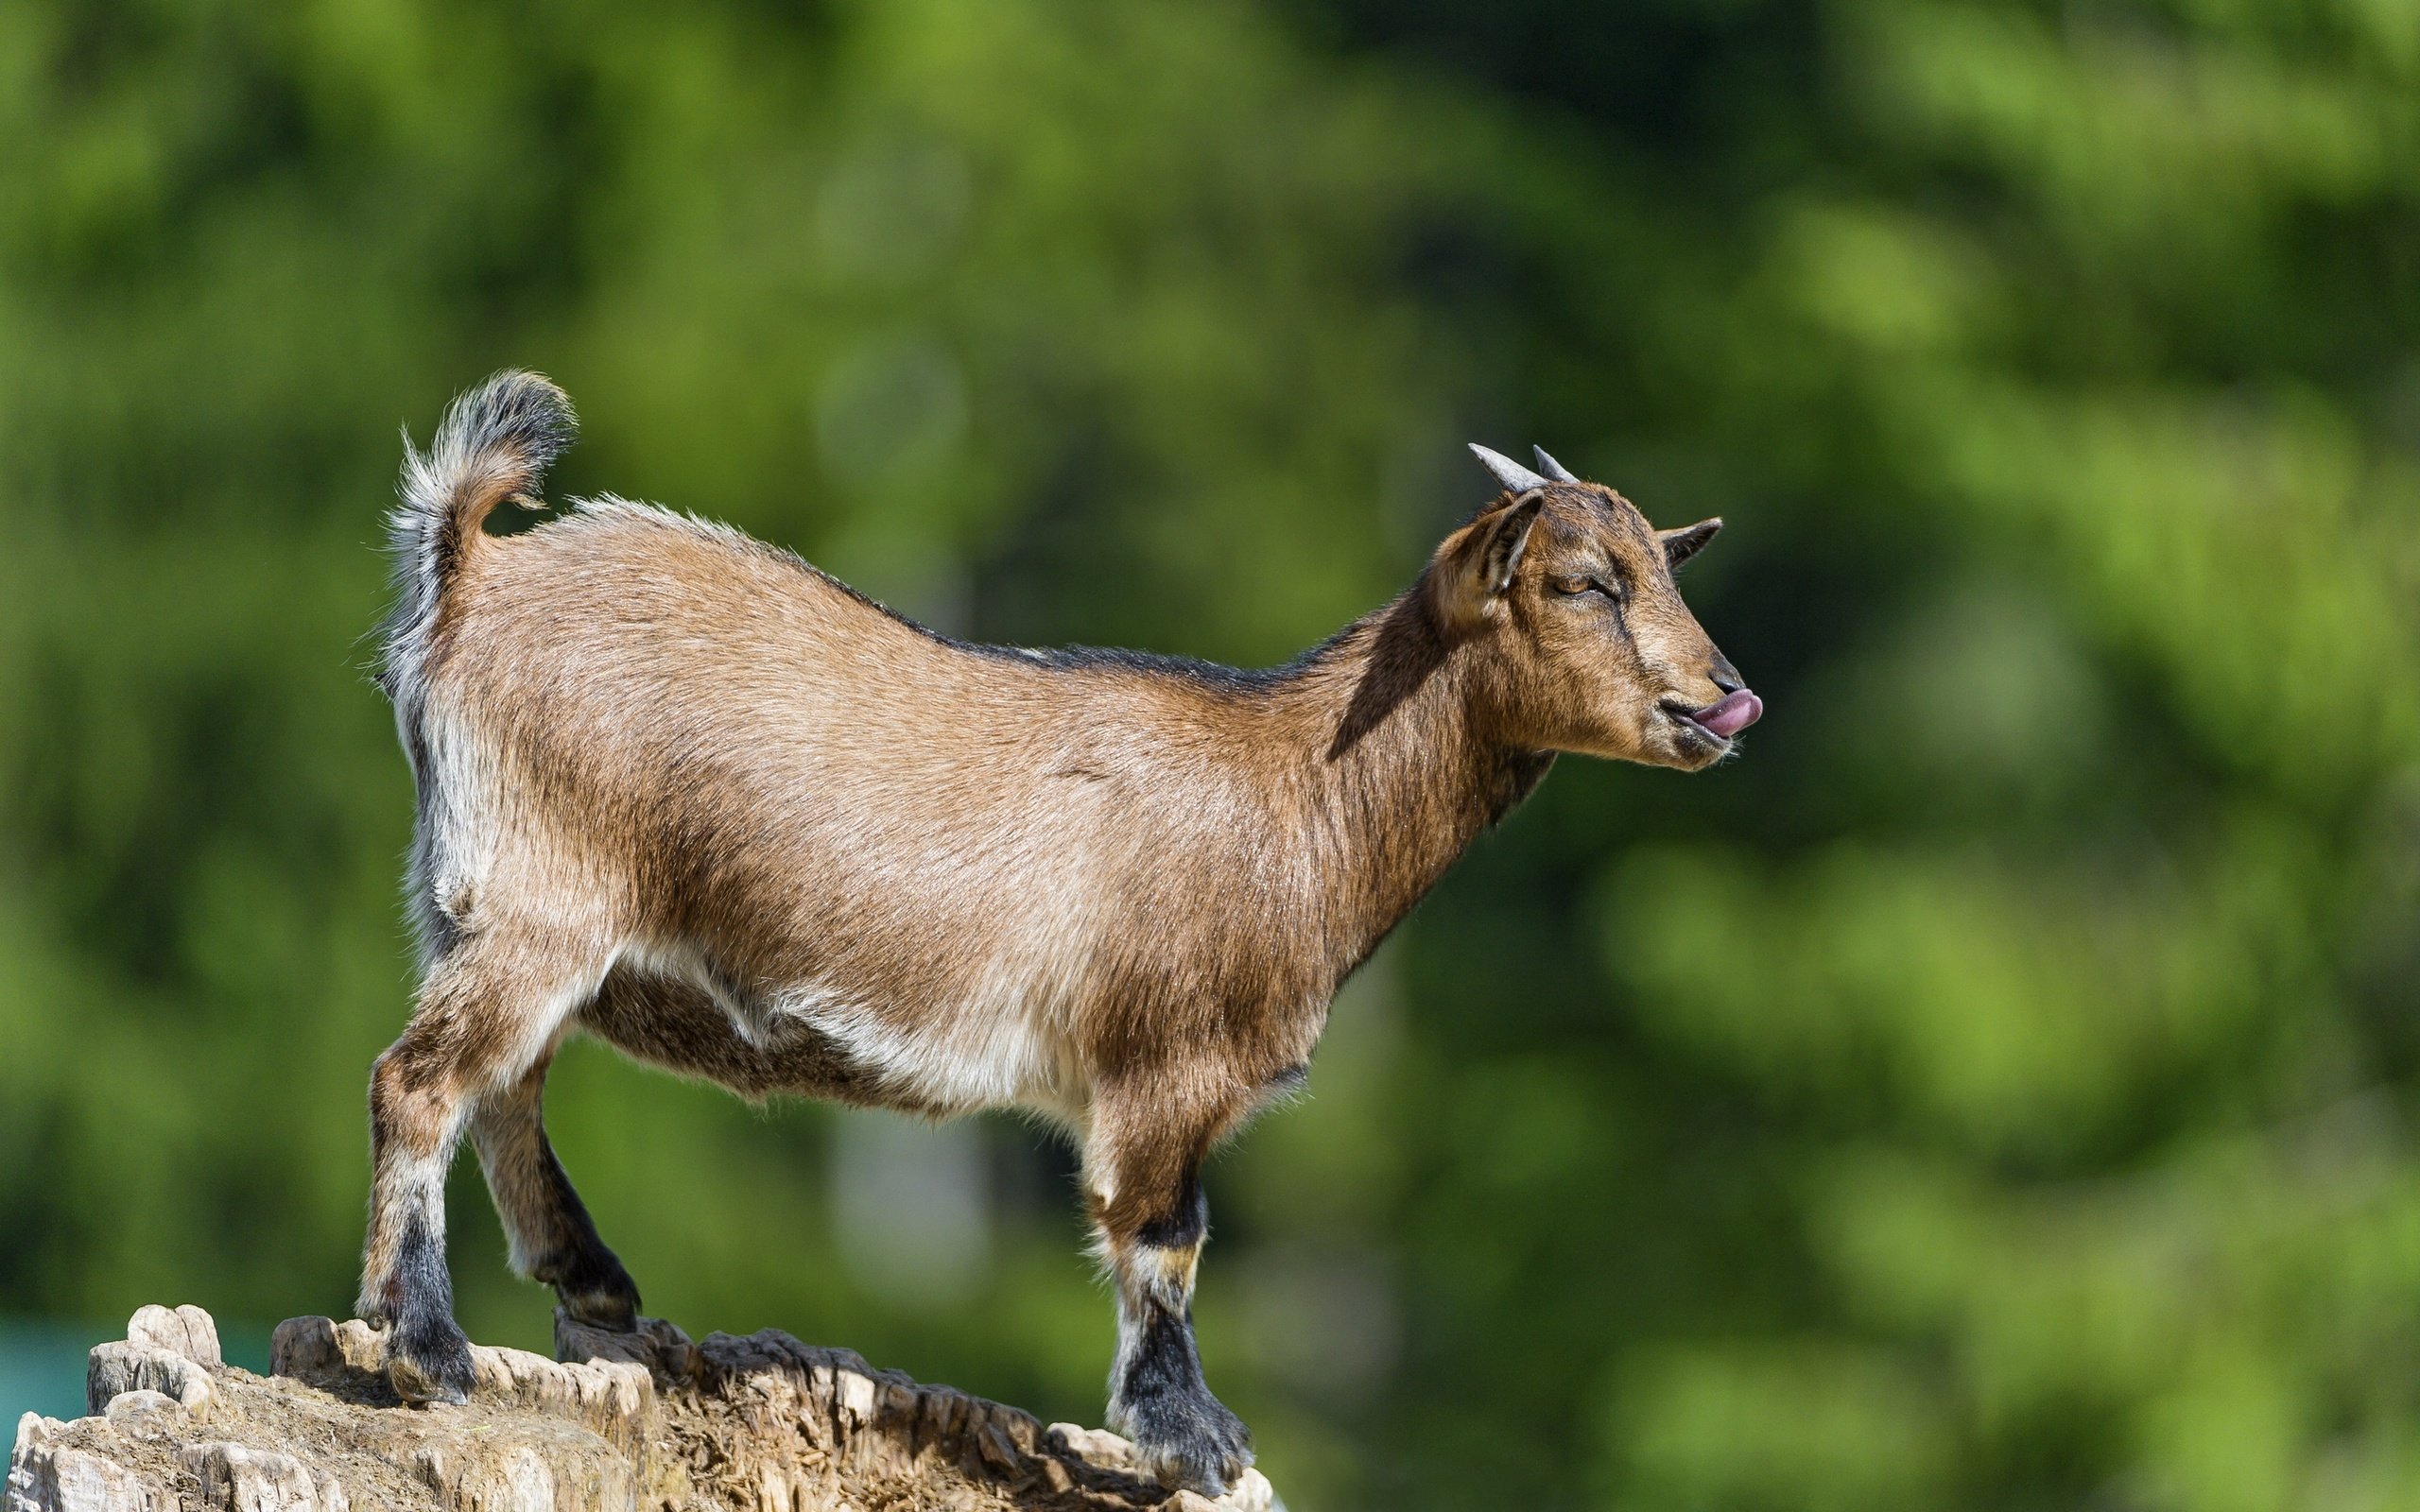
682, 791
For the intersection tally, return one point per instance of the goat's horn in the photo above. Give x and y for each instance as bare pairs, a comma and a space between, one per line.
1509, 473
1554, 469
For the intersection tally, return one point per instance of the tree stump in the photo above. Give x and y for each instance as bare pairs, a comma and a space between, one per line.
644, 1420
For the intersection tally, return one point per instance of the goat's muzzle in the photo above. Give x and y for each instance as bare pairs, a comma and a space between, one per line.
1726, 716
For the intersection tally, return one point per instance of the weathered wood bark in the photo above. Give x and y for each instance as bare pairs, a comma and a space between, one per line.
643, 1421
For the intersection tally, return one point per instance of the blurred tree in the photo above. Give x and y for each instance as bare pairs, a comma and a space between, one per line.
1997, 1091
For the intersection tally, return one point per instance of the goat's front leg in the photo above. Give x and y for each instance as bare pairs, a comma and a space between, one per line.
1142, 1177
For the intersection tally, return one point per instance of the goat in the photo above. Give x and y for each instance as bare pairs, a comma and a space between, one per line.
683, 791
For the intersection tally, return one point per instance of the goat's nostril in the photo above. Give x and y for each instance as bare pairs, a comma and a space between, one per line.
1727, 679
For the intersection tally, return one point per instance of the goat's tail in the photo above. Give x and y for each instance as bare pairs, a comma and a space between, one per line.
494, 443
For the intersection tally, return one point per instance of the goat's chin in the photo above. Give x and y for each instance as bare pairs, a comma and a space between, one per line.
1651, 749
1673, 747
1699, 761
1673, 759
1692, 750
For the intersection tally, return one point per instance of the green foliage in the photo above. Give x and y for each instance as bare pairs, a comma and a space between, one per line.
1995, 1090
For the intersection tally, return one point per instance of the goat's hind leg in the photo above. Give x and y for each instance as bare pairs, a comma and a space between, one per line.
489, 1009
547, 1228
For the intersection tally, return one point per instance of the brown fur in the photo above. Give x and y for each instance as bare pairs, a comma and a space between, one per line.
683, 791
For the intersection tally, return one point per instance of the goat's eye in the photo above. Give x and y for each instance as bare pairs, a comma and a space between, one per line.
1574, 587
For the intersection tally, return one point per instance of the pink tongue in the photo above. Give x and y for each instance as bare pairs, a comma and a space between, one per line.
1733, 714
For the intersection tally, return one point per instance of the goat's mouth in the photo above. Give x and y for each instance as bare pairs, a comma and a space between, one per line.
1718, 721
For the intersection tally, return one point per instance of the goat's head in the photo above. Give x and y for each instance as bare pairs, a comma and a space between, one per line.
1564, 592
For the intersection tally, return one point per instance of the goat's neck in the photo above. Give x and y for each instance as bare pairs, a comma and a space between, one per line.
1404, 773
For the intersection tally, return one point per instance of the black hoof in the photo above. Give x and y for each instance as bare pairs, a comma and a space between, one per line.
598, 1294
613, 1313
1188, 1443
429, 1359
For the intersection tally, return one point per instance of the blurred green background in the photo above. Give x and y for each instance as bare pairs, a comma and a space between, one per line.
1997, 1090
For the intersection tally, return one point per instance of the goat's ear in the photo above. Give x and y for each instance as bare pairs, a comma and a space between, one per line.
1686, 542
1482, 568
1505, 538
